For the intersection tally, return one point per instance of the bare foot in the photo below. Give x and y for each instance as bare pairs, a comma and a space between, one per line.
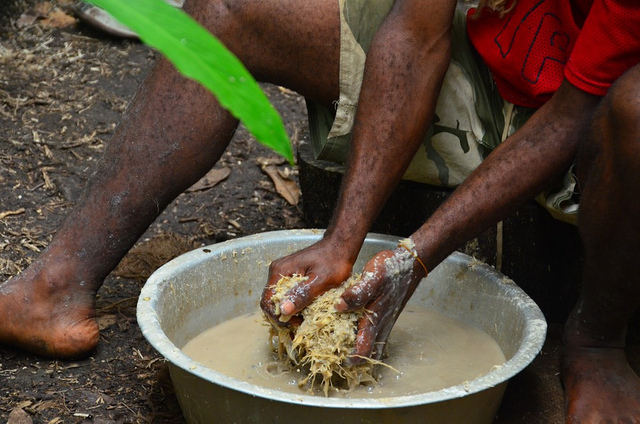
600, 386
48, 318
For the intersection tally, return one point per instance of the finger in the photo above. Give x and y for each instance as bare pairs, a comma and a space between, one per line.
277, 324
301, 295
386, 314
368, 287
374, 328
365, 340
265, 300
269, 308
269, 290
288, 307
361, 293
382, 337
272, 310
292, 321
277, 269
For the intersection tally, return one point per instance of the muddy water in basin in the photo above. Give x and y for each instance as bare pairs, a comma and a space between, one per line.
427, 352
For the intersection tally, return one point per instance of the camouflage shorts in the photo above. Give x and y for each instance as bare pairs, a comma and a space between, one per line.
470, 117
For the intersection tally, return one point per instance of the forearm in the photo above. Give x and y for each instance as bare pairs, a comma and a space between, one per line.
399, 92
527, 163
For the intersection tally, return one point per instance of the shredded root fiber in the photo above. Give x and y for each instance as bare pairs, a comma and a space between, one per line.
324, 340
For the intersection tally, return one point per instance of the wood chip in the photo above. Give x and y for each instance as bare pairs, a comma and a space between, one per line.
19, 416
58, 19
106, 321
9, 213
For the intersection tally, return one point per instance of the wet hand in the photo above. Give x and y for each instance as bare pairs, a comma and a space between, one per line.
387, 282
324, 266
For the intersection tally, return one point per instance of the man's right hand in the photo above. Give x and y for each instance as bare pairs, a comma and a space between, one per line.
324, 263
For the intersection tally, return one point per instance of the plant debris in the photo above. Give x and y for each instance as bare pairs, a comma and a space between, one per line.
282, 179
63, 92
324, 341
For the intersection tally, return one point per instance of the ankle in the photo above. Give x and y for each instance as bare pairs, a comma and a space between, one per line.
585, 333
61, 275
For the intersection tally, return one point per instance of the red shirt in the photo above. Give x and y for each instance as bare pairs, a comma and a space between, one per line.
531, 49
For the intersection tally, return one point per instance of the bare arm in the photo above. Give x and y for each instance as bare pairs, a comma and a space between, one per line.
527, 163
403, 75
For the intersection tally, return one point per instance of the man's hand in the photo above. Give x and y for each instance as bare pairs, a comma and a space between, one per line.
326, 266
387, 282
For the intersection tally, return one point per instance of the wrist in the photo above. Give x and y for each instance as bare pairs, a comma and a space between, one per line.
346, 245
409, 246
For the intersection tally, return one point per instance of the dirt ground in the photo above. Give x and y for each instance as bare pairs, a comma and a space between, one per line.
63, 88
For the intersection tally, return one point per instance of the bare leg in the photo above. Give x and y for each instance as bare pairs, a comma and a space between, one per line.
173, 133
600, 386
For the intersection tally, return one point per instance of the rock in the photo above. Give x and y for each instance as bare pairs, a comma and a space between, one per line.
19, 416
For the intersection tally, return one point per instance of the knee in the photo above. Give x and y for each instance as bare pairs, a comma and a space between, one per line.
218, 16
622, 104
616, 125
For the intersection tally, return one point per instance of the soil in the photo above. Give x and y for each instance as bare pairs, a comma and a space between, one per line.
63, 89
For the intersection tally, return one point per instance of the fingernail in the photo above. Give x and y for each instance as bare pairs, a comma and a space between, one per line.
287, 307
341, 305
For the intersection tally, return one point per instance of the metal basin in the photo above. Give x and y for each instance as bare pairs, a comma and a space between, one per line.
210, 285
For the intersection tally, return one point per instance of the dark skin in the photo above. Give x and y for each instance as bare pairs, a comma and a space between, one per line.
173, 133
594, 370
600, 385
49, 309
406, 62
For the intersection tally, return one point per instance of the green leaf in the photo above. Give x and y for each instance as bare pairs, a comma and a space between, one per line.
198, 55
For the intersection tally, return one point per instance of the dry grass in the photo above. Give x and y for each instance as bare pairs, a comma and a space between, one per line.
324, 342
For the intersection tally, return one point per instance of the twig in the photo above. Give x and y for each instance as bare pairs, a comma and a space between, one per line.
115, 304
3, 215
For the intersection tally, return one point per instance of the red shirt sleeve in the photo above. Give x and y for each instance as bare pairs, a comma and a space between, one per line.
541, 42
608, 45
